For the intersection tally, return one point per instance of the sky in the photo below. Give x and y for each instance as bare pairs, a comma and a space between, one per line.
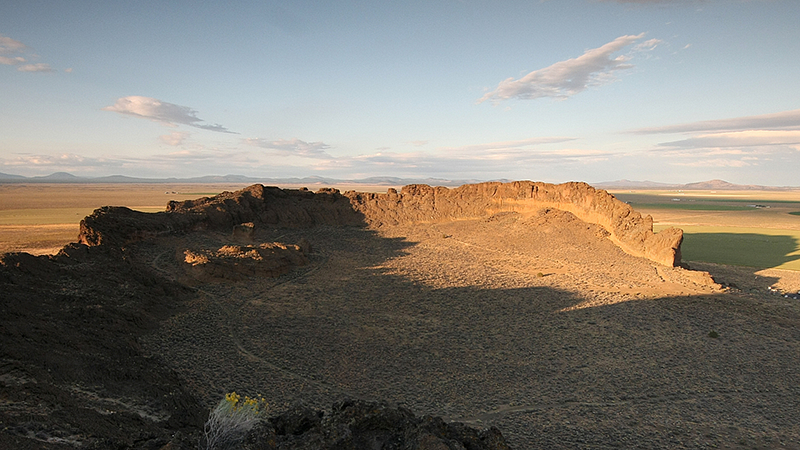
672, 91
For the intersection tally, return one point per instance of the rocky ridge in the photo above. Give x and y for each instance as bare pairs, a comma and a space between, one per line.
486, 304
272, 206
421, 203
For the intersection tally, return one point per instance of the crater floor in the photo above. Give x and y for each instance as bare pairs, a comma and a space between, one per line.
535, 323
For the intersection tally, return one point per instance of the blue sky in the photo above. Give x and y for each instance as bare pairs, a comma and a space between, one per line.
589, 90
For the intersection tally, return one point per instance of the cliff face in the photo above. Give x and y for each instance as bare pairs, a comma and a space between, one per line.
413, 204
421, 203
255, 204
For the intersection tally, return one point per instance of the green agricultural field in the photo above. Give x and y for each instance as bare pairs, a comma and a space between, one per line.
691, 206
741, 246
743, 228
640, 201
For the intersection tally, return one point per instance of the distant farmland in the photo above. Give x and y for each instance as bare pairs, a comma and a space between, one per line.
757, 229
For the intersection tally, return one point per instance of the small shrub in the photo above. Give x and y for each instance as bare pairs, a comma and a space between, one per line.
713, 334
230, 421
539, 275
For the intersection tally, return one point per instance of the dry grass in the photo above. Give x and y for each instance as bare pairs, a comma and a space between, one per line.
42, 218
725, 227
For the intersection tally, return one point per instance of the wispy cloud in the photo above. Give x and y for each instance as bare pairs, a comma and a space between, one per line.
765, 140
781, 120
567, 78
778, 158
58, 162
654, 2
507, 145
8, 45
749, 138
10, 61
10, 55
487, 159
292, 147
38, 67
196, 161
446, 164
166, 113
175, 138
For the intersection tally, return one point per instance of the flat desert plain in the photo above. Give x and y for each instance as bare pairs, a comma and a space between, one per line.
535, 323
758, 229
41, 218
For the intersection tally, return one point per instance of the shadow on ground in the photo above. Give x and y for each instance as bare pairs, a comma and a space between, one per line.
743, 249
102, 347
643, 373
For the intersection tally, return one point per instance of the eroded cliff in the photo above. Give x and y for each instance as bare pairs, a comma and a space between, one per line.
421, 203
413, 204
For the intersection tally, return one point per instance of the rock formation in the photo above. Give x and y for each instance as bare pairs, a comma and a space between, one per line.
355, 425
258, 204
420, 203
235, 262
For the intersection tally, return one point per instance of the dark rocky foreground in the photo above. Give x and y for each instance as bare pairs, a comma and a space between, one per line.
356, 425
485, 305
74, 375
73, 372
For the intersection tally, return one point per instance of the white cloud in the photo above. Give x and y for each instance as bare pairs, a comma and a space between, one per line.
506, 145
781, 120
655, 2
59, 162
11, 61
175, 138
483, 160
749, 138
647, 45
8, 45
166, 113
38, 67
198, 161
714, 162
566, 78
768, 140
292, 147
12, 47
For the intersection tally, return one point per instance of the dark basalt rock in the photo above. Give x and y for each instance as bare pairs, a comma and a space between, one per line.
272, 206
357, 425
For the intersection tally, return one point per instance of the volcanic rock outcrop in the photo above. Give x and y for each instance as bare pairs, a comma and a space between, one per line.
421, 203
234, 262
272, 206
355, 425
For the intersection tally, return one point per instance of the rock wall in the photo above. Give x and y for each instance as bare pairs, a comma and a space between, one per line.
256, 204
413, 204
422, 203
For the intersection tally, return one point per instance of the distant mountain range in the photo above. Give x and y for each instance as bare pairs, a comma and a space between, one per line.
64, 177
712, 185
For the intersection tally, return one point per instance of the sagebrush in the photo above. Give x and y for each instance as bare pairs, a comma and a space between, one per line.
231, 419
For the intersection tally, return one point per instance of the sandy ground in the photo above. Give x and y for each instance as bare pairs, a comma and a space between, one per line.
538, 325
